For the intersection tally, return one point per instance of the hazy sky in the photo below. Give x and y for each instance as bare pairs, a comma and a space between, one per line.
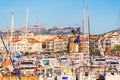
103, 13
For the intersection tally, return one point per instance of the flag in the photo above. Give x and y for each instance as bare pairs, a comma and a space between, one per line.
76, 31
6, 63
77, 39
18, 55
73, 31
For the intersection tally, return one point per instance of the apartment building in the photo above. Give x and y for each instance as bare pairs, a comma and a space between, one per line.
108, 41
58, 43
87, 44
73, 47
25, 45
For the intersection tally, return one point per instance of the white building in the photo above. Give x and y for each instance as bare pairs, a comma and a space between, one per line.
26, 45
107, 41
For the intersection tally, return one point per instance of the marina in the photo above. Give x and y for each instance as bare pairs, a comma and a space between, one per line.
64, 49
70, 67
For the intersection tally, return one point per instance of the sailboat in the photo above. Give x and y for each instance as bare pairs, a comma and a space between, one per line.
86, 70
113, 73
102, 74
9, 60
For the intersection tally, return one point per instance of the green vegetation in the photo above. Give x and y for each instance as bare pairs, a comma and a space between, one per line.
0, 53
116, 50
95, 52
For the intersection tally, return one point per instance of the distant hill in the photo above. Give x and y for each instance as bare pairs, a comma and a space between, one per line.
38, 30
48, 31
116, 30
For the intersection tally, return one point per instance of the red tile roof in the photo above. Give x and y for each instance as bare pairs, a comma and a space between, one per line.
32, 40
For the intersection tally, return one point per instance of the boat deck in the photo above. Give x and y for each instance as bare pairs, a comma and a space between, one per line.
15, 78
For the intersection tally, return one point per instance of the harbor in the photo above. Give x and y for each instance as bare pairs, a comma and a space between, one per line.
68, 67
54, 40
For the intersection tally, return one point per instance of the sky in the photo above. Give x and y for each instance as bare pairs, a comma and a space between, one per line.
104, 14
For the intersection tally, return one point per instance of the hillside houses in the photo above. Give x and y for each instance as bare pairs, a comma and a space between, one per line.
107, 42
63, 43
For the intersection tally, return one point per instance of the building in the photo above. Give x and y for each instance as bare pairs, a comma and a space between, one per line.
74, 47
107, 42
25, 45
87, 44
58, 43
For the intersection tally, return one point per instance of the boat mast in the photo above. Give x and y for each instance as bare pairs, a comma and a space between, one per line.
89, 50
87, 32
118, 27
83, 25
26, 25
11, 46
12, 32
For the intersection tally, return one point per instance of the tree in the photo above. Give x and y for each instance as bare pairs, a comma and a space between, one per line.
95, 52
0, 53
116, 49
